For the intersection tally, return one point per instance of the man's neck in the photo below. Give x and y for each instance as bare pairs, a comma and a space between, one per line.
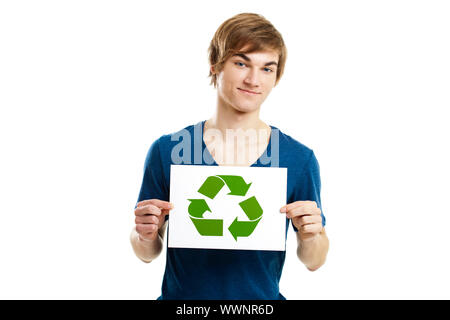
226, 117
252, 136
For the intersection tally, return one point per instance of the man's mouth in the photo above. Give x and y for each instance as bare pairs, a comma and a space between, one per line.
248, 92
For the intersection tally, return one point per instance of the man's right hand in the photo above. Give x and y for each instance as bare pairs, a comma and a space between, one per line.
150, 216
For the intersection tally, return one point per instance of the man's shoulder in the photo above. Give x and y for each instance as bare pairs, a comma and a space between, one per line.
296, 156
292, 145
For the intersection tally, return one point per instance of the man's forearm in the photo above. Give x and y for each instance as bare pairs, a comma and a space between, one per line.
147, 250
313, 252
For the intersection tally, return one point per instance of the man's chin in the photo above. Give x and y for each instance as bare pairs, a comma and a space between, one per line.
245, 109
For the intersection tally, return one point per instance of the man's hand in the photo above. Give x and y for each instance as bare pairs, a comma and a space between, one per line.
306, 217
150, 216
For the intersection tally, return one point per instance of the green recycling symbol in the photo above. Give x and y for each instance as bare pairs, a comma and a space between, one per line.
214, 227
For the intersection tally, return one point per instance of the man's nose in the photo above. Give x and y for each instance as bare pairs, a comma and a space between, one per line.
252, 78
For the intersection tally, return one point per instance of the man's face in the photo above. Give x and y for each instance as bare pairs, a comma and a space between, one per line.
254, 72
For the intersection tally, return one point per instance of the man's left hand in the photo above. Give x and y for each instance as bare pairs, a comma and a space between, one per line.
306, 217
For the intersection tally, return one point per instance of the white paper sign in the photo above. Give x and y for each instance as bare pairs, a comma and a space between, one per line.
227, 207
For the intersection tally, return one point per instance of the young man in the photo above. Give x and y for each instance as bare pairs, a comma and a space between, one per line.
247, 57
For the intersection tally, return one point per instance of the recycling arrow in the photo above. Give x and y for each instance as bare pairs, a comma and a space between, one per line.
214, 227
242, 228
236, 184
213, 184
206, 227
254, 212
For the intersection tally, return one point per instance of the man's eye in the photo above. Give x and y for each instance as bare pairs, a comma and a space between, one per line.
243, 64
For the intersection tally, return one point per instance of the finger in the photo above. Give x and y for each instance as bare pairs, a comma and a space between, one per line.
297, 211
156, 202
145, 229
165, 211
311, 228
148, 209
296, 204
290, 206
146, 219
307, 219
303, 210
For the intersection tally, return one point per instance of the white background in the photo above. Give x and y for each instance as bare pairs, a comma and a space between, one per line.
87, 86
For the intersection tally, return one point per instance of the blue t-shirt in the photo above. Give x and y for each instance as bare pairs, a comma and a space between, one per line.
226, 274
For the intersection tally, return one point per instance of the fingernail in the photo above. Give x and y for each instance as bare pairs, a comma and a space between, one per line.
283, 209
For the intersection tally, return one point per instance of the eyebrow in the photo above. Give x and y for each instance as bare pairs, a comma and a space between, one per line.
243, 56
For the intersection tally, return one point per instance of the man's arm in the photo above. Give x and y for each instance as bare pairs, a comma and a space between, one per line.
312, 240
148, 250
312, 251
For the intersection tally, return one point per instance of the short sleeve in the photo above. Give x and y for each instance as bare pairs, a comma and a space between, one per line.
308, 185
153, 183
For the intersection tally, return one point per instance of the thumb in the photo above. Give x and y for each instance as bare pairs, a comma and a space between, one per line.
161, 204
167, 210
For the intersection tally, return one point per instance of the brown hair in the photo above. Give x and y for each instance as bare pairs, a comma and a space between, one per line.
242, 29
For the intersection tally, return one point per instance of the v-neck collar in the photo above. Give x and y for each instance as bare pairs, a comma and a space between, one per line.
266, 150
